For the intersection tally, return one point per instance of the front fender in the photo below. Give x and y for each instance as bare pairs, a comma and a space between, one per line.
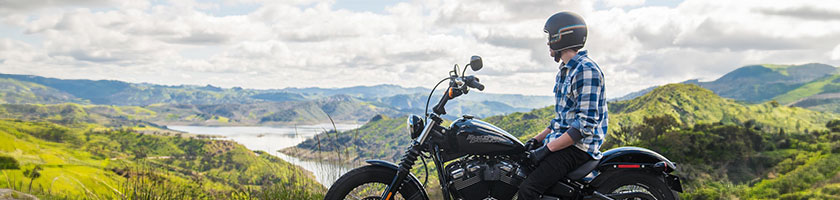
411, 179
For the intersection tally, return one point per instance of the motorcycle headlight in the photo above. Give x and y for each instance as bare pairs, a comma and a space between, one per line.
415, 125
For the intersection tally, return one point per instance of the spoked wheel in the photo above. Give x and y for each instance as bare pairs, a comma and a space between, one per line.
368, 191
367, 183
646, 186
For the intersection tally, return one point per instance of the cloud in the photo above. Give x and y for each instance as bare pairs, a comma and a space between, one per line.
805, 12
318, 43
623, 3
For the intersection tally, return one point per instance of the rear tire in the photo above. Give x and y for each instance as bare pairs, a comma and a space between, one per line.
643, 182
372, 174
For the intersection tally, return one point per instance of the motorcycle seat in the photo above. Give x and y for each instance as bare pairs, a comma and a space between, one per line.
583, 170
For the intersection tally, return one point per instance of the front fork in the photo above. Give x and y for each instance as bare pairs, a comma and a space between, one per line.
404, 169
410, 157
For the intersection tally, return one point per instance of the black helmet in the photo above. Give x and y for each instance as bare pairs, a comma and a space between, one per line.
566, 30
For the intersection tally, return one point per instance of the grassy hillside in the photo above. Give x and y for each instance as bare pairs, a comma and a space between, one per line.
14, 91
759, 83
828, 102
112, 92
70, 113
828, 84
786, 84
341, 110
690, 105
90, 161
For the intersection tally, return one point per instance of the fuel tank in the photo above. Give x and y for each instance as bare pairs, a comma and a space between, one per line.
477, 137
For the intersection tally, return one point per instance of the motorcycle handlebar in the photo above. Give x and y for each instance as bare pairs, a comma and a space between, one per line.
456, 90
473, 82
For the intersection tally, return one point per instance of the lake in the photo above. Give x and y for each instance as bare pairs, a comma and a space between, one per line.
273, 138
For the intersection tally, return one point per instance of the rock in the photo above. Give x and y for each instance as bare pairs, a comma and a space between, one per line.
8, 194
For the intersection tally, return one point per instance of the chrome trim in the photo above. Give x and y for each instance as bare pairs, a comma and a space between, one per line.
425, 134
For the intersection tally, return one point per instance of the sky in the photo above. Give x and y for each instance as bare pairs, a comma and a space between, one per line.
264, 44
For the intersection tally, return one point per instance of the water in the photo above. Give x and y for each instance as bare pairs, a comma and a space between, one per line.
273, 138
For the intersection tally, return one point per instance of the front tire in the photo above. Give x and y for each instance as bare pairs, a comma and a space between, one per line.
638, 182
368, 182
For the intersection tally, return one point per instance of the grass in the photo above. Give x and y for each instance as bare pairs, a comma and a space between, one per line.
810, 89
782, 69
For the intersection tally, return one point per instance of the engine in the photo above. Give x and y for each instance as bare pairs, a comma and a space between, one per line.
485, 177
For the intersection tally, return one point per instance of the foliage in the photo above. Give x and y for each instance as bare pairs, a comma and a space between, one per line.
7, 162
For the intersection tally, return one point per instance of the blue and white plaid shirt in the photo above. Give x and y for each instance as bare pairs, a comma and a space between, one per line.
581, 105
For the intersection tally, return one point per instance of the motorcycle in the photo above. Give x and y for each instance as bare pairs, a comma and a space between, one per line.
485, 162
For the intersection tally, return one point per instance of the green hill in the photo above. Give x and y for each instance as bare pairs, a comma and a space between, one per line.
89, 161
825, 85
14, 91
759, 83
266, 113
690, 105
110, 92
813, 86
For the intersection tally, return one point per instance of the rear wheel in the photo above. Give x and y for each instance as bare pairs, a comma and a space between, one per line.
635, 182
368, 182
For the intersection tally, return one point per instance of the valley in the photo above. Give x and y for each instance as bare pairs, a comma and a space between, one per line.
759, 132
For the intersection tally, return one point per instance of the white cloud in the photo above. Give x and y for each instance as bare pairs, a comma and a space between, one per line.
313, 43
623, 3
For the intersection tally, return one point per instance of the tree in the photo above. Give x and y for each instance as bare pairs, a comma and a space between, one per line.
833, 125
32, 174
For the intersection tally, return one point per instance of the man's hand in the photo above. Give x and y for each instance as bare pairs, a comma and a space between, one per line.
538, 154
532, 144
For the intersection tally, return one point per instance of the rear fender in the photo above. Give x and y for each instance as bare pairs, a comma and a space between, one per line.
411, 180
615, 161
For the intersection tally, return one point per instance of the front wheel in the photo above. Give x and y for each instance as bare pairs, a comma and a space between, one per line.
636, 182
368, 182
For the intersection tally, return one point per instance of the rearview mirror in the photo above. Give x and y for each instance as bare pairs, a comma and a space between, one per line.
475, 63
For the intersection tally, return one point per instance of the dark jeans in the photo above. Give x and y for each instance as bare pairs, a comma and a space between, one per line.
551, 170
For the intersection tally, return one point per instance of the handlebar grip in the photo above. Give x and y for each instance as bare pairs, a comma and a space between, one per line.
473, 82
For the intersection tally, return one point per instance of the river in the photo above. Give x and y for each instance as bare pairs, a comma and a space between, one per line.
273, 138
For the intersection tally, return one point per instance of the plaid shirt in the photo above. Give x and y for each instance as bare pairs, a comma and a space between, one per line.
581, 106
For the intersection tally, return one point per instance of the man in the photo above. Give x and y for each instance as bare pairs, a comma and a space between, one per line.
576, 134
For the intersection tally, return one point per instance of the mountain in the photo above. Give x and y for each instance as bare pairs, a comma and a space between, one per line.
15, 91
759, 83
476, 104
635, 94
211, 105
813, 86
358, 91
110, 92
